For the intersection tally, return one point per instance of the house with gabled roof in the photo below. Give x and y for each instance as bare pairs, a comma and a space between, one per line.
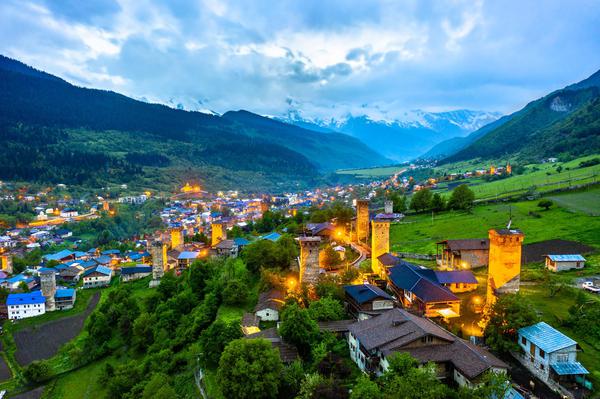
418, 289
97, 276
373, 340
25, 305
269, 304
366, 300
136, 272
550, 354
558, 263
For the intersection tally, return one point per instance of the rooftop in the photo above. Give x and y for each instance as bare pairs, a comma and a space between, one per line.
365, 292
29, 298
566, 258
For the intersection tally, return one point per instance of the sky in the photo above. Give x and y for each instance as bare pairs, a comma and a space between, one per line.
327, 58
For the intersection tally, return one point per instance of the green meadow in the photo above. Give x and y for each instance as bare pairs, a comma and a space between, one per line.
565, 220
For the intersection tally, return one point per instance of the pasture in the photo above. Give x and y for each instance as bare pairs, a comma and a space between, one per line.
384, 171
419, 233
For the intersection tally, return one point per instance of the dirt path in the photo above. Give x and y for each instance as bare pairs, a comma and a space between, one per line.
44, 341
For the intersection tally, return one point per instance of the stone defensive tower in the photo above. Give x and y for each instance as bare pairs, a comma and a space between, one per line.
217, 233
309, 259
176, 237
48, 288
158, 250
380, 244
504, 269
388, 206
6, 263
362, 221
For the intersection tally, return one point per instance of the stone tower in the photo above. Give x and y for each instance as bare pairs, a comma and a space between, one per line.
504, 267
48, 285
6, 263
388, 206
492, 170
508, 168
176, 237
158, 250
217, 233
309, 259
380, 244
362, 221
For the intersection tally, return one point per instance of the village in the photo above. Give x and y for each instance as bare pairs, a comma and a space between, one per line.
435, 311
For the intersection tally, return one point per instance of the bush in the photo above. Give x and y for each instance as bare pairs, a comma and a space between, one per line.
37, 371
545, 203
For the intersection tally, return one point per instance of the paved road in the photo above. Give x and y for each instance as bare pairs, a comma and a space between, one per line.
363, 253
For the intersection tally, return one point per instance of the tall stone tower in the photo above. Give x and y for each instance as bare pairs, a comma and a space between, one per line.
504, 269
48, 285
380, 244
6, 263
158, 251
492, 170
362, 221
508, 168
176, 237
217, 233
309, 259
388, 206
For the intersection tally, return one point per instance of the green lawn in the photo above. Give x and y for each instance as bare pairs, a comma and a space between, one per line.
587, 201
230, 313
79, 384
419, 233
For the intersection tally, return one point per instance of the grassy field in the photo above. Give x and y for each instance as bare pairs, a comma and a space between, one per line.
419, 233
587, 201
384, 171
79, 384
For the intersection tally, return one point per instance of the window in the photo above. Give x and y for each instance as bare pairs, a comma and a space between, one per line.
523, 340
562, 357
542, 353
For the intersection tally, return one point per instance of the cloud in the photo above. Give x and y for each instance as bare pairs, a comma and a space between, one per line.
382, 58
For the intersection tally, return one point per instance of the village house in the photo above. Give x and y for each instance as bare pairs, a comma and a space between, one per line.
186, 258
25, 305
269, 304
373, 340
64, 298
365, 300
559, 263
550, 355
463, 254
97, 276
135, 272
418, 289
68, 213
227, 248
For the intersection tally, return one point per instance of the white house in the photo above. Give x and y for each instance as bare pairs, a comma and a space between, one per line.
269, 304
549, 354
558, 263
98, 276
30, 304
135, 272
68, 213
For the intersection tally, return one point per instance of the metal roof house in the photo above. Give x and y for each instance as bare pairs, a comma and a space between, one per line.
419, 289
550, 354
366, 300
558, 263
25, 305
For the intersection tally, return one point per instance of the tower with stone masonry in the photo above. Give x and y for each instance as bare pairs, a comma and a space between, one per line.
217, 233
176, 237
508, 168
48, 288
380, 244
159, 258
362, 221
504, 266
6, 263
309, 259
388, 207
492, 170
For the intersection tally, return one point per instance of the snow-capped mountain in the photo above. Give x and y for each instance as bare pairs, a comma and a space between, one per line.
402, 137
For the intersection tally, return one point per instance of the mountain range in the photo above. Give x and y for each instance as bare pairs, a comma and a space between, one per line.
564, 123
52, 131
403, 138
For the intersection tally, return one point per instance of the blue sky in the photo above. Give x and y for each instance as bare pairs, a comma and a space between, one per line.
326, 57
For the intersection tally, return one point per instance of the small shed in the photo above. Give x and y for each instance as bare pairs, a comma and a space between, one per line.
558, 263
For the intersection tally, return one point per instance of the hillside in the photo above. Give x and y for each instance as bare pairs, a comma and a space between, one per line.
52, 131
563, 123
455, 144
